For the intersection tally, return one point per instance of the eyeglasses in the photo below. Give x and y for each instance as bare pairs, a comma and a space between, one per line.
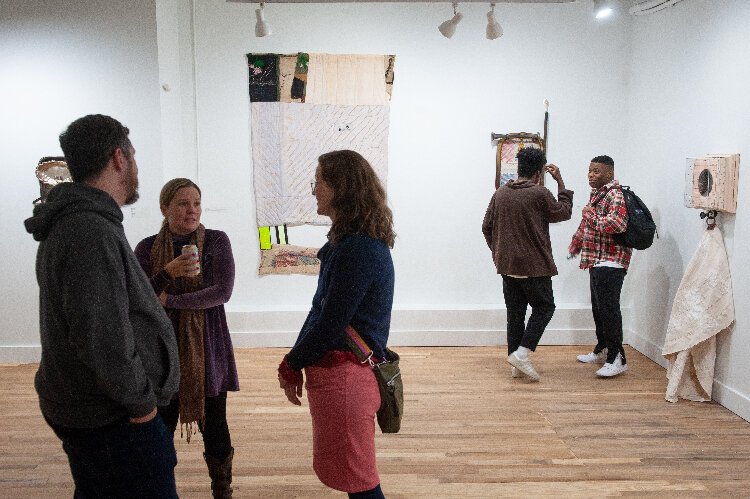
313, 185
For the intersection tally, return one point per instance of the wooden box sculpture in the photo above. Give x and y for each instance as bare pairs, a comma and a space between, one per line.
711, 182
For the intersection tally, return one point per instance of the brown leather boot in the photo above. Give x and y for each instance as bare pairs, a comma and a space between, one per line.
221, 475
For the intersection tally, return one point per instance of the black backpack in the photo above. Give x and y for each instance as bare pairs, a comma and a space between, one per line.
641, 227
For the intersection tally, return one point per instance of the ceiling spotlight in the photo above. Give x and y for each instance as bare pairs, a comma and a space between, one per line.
448, 28
262, 28
603, 8
494, 30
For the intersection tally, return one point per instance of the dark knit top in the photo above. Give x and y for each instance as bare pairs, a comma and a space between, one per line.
217, 268
355, 287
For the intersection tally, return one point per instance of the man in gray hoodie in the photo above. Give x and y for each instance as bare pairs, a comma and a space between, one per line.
516, 228
109, 354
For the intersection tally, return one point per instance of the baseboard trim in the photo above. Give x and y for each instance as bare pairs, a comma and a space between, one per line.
728, 397
20, 354
431, 338
722, 394
646, 347
26, 354
450, 325
417, 325
738, 403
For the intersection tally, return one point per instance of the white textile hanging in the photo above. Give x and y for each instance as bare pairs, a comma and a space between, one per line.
703, 307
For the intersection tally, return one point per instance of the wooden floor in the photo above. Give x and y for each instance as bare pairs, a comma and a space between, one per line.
470, 430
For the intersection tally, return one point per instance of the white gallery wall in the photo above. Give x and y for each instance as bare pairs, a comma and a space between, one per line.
689, 75
60, 60
448, 96
649, 91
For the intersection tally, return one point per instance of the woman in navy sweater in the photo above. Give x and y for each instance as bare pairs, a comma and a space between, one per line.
355, 287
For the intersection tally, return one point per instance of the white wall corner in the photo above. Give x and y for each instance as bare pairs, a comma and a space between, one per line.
738, 403
646, 346
735, 401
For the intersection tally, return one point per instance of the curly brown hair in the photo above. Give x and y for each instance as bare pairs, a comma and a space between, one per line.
359, 199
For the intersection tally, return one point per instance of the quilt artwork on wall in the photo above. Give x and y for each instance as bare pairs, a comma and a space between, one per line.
301, 106
289, 259
506, 163
508, 146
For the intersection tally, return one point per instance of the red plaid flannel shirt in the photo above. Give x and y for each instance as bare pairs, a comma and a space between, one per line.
593, 239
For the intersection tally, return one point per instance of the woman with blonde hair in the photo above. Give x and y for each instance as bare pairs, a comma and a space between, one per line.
355, 288
193, 292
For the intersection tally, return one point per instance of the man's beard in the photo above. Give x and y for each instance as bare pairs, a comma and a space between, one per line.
133, 197
131, 184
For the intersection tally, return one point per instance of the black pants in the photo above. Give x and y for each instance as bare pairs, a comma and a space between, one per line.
606, 284
519, 293
216, 439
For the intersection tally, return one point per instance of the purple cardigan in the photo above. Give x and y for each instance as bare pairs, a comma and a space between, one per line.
217, 266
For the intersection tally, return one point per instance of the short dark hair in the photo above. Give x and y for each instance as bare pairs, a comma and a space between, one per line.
604, 160
530, 161
89, 142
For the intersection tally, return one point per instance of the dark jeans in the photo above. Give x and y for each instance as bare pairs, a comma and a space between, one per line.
121, 460
519, 293
216, 439
606, 284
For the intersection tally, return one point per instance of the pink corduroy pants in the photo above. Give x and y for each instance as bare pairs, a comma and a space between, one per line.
343, 400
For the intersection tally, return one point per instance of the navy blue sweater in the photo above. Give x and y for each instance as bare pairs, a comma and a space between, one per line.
355, 287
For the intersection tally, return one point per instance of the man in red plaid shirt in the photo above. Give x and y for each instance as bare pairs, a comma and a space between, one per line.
607, 261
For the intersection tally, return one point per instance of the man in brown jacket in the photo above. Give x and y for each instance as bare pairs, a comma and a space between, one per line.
516, 228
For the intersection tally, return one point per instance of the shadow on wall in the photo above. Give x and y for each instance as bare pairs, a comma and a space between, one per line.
654, 278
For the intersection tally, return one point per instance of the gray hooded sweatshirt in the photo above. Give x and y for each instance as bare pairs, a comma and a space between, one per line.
108, 348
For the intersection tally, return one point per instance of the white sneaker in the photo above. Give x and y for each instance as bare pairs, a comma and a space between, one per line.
515, 373
523, 365
609, 370
593, 358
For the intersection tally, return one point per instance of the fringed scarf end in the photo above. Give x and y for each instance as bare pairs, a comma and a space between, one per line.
188, 430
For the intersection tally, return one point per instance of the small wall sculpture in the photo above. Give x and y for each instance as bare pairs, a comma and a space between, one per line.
51, 171
711, 182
